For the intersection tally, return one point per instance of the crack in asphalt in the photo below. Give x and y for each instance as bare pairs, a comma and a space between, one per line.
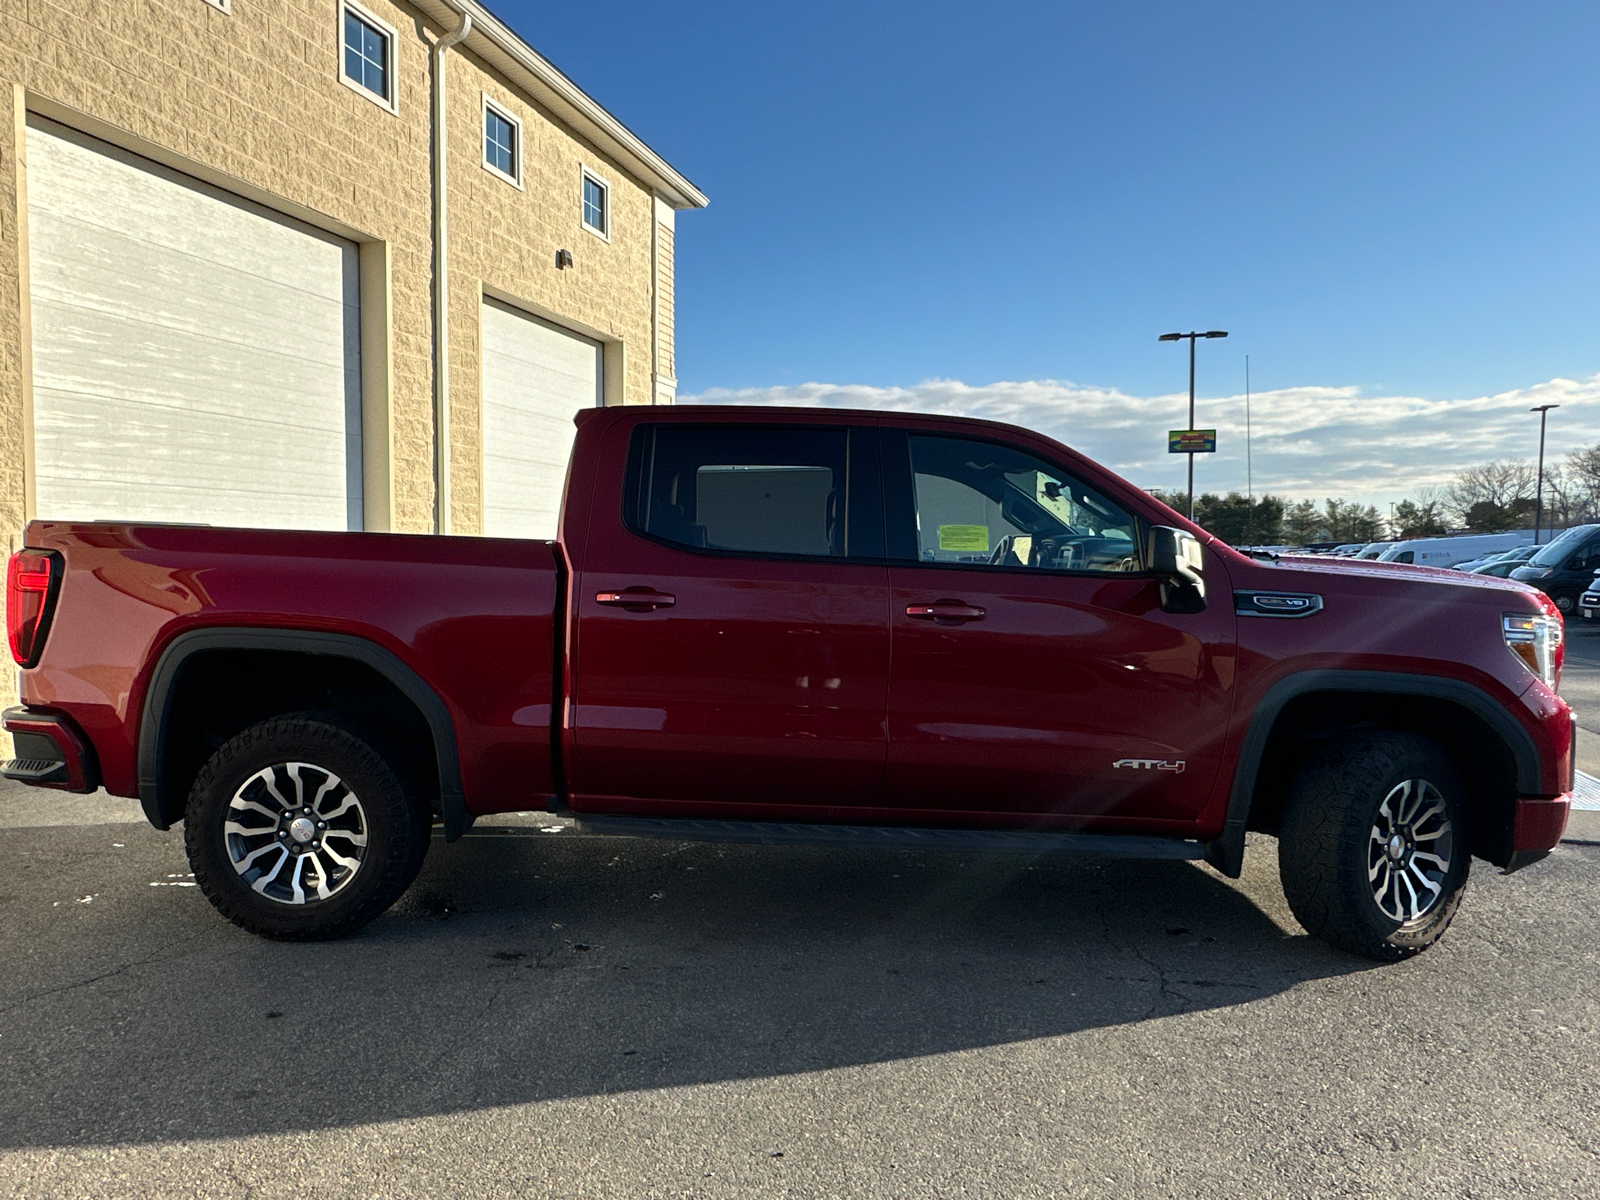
67, 987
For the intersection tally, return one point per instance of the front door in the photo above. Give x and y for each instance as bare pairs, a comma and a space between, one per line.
1034, 671
732, 648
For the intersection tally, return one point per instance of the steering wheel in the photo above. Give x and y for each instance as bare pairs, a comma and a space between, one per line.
1001, 549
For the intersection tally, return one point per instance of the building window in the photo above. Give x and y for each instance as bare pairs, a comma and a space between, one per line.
502, 143
596, 205
368, 61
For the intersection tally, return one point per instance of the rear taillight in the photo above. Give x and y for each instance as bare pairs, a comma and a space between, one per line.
32, 577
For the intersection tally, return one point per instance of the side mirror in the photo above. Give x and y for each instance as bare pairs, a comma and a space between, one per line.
1176, 559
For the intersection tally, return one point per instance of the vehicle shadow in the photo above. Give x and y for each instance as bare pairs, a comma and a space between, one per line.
526, 967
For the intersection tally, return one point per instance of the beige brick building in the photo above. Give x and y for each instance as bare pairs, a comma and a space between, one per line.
219, 222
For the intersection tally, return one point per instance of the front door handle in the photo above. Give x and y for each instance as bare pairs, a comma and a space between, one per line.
952, 611
636, 599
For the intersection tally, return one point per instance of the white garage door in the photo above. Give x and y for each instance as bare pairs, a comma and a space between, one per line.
195, 357
535, 379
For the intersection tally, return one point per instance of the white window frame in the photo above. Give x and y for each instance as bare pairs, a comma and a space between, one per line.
391, 102
611, 217
500, 110
225, 7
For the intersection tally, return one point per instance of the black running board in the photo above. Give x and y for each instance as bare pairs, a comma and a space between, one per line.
34, 770
890, 837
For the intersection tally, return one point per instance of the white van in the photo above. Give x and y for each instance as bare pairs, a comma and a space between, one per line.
1448, 551
1373, 549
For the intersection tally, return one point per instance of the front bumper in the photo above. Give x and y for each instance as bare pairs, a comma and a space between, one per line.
1536, 828
51, 752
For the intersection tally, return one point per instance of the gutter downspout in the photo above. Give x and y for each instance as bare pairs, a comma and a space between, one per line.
441, 284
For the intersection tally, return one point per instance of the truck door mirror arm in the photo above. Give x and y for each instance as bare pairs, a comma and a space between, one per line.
1175, 558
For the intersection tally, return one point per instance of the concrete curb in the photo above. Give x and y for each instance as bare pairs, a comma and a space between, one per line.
1583, 827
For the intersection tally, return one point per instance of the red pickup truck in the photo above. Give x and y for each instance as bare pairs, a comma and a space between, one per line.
774, 626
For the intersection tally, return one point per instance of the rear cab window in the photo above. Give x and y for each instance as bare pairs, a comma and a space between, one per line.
772, 491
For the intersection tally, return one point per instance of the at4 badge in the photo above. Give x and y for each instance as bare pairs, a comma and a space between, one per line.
1151, 764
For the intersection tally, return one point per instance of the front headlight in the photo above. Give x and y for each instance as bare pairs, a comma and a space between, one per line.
1536, 641
1537, 572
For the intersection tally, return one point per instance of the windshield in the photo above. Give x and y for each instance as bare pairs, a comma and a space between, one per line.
1553, 554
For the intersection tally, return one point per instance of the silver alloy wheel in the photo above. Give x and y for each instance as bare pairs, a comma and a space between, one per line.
1409, 850
296, 833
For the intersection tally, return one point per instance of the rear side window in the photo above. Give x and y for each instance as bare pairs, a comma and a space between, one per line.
780, 491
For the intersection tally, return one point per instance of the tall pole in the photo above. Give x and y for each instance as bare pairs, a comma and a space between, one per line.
1178, 337
1538, 492
1249, 479
1191, 426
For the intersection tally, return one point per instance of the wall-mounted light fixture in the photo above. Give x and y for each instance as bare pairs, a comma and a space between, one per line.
563, 259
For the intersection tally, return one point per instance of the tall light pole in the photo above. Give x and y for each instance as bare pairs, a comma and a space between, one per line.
1178, 337
1538, 492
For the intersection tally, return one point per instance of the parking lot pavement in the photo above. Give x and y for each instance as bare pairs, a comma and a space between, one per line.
545, 1014
1580, 687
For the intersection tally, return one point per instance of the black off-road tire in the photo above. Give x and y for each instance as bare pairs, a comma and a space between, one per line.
1327, 844
1566, 603
395, 825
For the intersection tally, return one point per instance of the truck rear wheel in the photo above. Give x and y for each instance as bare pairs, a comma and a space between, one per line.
1372, 851
298, 829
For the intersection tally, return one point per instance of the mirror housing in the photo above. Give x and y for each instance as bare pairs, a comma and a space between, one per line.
1176, 559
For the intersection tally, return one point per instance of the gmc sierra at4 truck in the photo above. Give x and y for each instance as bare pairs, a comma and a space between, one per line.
782, 626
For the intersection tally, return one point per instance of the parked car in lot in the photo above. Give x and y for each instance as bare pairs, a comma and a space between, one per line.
1500, 558
798, 626
1564, 569
1589, 601
1498, 569
1449, 551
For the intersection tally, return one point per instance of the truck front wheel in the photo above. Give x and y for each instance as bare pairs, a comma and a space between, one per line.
1372, 849
298, 829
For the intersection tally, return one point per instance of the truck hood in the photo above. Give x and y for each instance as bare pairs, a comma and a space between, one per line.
1315, 566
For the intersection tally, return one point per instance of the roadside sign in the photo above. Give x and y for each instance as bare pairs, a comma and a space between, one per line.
1191, 441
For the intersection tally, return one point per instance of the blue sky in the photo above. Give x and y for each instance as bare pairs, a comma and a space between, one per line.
1391, 205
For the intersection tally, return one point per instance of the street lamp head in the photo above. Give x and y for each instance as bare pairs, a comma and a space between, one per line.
1215, 333
1169, 337
1544, 408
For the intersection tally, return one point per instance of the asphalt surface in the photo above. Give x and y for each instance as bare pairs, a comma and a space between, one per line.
547, 1015
1580, 687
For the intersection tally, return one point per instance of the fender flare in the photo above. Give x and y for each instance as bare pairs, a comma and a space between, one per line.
158, 703
1226, 853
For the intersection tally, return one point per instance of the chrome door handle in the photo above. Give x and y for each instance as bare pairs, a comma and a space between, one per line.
954, 611
636, 599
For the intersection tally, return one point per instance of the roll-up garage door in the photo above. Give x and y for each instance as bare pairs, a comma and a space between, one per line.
195, 356
536, 376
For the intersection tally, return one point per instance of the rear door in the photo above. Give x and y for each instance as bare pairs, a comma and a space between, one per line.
731, 649
1035, 674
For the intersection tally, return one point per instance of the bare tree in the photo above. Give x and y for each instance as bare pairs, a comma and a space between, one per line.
1500, 483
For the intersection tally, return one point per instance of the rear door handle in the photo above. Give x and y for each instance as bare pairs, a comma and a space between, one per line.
636, 599
954, 611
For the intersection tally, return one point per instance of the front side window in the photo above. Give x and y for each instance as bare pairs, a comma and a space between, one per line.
984, 504
596, 205
500, 150
761, 491
367, 55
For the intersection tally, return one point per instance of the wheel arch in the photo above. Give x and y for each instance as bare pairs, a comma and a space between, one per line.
1510, 765
163, 793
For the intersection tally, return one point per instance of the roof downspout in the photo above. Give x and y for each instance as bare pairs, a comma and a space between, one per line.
441, 284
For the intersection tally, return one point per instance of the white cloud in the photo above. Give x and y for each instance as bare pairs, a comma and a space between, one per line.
1305, 441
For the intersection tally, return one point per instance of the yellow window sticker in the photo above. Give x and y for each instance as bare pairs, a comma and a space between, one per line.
964, 537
